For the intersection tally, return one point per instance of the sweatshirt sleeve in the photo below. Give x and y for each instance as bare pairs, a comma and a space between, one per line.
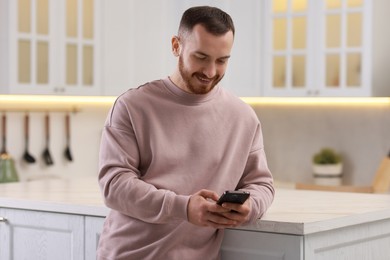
119, 178
257, 179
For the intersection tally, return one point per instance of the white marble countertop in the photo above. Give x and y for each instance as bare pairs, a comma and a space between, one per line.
293, 211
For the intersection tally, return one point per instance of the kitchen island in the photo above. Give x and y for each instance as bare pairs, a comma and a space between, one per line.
62, 219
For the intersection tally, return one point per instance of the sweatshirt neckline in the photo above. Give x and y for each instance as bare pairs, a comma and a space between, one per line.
189, 97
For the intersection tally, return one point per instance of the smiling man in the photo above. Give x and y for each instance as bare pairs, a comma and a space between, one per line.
171, 147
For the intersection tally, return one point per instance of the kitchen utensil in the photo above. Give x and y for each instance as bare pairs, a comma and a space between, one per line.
27, 156
67, 153
46, 153
7, 165
381, 183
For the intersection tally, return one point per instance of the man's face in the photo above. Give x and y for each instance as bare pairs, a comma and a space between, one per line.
203, 59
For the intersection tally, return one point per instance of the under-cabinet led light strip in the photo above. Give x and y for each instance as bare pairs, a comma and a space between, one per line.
54, 101
323, 101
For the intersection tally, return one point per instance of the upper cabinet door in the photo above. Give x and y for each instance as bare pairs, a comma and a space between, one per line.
30, 46
80, 47
53, 47
317, 48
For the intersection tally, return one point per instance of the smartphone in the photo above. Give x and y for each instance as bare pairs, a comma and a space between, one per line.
237, 196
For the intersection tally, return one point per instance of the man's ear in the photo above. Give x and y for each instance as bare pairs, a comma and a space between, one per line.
175, 46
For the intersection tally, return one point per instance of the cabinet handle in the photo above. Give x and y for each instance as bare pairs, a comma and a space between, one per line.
3, 219
59, 89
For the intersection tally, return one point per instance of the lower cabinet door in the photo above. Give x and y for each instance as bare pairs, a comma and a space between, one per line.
251, 245
26, 234
93, 229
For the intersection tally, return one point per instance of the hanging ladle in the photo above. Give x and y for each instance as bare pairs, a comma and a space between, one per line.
67, 153
27, 156
46, 153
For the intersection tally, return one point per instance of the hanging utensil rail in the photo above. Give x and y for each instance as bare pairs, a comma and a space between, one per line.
41, 110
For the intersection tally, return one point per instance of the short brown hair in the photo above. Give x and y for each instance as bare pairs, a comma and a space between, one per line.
214, 20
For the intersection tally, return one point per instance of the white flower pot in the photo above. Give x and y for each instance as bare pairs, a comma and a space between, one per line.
328, 174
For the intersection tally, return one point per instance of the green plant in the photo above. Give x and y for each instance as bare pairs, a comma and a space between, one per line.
326, 156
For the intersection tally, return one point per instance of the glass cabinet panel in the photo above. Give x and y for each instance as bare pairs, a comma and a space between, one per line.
24, 16
71, 64
354, 30
353, 70
333, 31
71, 18
355, 3
332, 70
333, 4
279, 69
279, 6
299, 5
299, 33
24, 61
299, 71
42, 62
88, 10
88, 65
280, 34
42, 17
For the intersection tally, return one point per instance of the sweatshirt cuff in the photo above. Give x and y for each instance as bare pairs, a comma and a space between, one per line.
179, 207
254, 213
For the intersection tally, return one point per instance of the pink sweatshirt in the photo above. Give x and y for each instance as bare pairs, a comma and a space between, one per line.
160, 145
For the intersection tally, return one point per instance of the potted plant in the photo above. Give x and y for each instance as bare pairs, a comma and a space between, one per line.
327, 167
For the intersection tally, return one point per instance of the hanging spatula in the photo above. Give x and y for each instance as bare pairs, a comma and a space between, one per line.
46, 153
27, 156
67, 153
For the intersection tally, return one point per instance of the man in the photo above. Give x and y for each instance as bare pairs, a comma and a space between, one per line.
171, 147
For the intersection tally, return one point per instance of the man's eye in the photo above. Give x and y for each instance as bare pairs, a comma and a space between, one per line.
221, 61
201, 57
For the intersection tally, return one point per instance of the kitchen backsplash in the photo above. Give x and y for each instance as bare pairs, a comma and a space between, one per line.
292, 134
85, 131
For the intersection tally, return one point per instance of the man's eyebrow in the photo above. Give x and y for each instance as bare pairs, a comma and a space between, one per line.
204, 54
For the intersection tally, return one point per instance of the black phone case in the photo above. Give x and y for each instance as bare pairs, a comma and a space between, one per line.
233, 197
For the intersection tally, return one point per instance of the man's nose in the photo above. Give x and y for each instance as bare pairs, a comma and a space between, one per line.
210, 70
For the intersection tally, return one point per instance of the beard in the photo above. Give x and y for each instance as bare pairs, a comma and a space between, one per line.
192, 81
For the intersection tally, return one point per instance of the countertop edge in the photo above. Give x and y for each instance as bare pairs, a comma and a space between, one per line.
54, 207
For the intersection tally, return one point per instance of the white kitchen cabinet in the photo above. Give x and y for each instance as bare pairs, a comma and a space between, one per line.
317, 48
26, 234
365, 241
50, 47
93, 229
362, 241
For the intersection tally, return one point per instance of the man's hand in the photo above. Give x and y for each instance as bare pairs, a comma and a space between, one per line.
202, 210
